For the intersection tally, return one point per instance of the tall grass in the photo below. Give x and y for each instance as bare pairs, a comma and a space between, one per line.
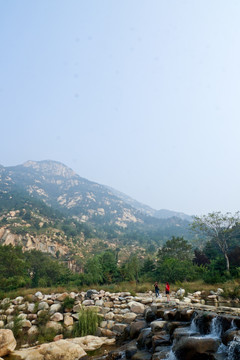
88, 321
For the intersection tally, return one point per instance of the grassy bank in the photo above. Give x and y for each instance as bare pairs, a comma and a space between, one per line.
133, 288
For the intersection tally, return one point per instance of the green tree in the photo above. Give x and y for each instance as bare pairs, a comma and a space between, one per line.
218, 227
173, 270
94, 271
131, 268
176, 248
110, 272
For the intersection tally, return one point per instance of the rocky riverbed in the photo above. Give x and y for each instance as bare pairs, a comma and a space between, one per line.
149, 327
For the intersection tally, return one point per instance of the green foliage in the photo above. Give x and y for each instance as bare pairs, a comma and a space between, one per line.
130, 270
17, 325
173, 270
46, 335
43, 318
176, 248
87, 323
218, 227
216, 272
68, 303
233, 293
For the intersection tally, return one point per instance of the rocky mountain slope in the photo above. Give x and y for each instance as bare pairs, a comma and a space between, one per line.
47, 205
160, 214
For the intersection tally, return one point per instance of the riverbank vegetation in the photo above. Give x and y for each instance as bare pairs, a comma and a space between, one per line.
177, 262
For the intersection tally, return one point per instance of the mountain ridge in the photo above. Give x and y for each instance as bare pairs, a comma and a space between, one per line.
80, 201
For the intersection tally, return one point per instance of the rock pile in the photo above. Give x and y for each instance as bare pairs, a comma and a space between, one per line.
122, 316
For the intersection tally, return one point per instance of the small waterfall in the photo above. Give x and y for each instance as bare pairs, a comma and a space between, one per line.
193, 327
234, 349
233, 325
216, 328
171, 356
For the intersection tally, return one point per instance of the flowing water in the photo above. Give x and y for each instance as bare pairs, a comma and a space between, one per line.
230, 352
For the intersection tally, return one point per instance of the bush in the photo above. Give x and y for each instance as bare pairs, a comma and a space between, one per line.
173, 270
68, 303
88, 322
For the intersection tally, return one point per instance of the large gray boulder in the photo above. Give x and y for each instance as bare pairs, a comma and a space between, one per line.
192, 348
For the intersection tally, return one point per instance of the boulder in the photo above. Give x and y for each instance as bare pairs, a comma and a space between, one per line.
62, 297
54, 308
229, 335
39, 295
54, 325
144, 339
129, 317
88, 302
91, 343
61, 349
191, 348
31, 308
136, 327
57, 316
68, 320
149, 315
142, 355
119, 328
136, 307
7, 342
43, 306
180, 292
91, 292
161, 339
157, 325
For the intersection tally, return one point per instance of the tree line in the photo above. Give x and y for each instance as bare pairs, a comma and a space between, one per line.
176, 261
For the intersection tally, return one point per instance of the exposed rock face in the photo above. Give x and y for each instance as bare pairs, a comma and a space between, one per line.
7, 342
61, 349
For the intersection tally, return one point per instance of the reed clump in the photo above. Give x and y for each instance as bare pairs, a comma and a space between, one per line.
88, 321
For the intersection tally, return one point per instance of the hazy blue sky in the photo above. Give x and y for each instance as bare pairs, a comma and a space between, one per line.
140, 95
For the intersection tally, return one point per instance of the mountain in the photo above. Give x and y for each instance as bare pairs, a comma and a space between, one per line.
49, 199
160, 214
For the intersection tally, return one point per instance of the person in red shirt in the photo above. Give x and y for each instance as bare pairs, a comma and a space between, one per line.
167, 289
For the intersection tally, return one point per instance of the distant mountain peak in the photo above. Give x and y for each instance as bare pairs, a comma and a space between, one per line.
49, 166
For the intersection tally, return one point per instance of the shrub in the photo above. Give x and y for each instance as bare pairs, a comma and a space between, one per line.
68, 303
17, 325
47, 335
87, 323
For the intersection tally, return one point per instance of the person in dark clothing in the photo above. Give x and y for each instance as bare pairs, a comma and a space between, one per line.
156, 289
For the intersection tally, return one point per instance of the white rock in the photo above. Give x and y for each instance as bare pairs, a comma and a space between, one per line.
43, 306
7, 342
180, 292
88, 302
39, 295
54, 308
31, 308
68, 320
136, 307
109, 316
33, 330
61, 349
57, 317
54, 325
129, 317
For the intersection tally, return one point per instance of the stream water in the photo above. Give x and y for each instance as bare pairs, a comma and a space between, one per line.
230, 352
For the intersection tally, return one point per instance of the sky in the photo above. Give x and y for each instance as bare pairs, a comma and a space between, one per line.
139, 95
